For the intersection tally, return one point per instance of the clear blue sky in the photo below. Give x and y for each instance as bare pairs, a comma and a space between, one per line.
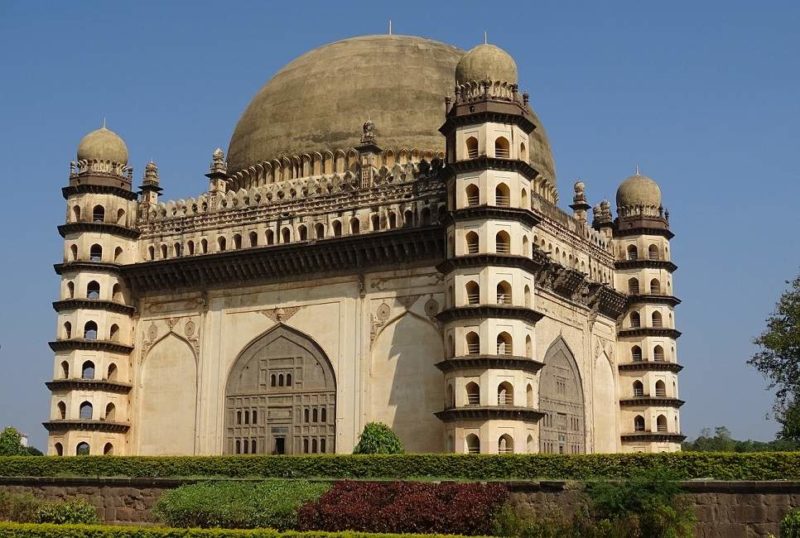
704, 96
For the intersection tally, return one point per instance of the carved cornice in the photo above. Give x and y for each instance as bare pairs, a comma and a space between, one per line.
650, 366
487, 109
489, 163
524, 216
531, 265
499, 412
654, 299
643, 230
103, 267
93, 304
98, 227
484, 362
294, 261
651, 401
87, 188
86, 425
104, 385
489, 311
646, 264
648, 331
82, 344
652, 437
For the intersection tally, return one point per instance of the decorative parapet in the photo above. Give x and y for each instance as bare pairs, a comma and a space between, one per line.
100, 168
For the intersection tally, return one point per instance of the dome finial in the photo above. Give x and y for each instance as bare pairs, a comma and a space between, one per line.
485, 37
390, 26
637, 170
104, 122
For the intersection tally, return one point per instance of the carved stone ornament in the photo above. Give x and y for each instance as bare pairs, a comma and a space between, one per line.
281, 314
431, 307
152, 332
189, 329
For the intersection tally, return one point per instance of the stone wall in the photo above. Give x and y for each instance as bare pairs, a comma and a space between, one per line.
724, 509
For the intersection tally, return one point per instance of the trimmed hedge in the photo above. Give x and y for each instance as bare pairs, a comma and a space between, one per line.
32, 530
684, 465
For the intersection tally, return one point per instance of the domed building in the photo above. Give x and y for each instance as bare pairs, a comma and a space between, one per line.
381, 241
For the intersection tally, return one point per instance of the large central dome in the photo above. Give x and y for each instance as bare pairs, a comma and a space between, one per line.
320, 101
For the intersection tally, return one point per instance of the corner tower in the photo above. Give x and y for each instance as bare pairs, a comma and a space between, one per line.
491, 374
91, 379
648, 365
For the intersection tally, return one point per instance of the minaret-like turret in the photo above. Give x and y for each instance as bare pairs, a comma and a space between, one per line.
491, 373
648, 364
91, 380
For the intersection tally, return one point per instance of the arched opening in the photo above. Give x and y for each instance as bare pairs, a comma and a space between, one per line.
73, 250
503, 292
96, 253
116, 294
286, 235
151, 253
472, 148
472, 243
661, 389
523, 154
253, 239
523, 199
505, 394
86, 411
451, 397
93, 290
111, 413
502, 242
76, 213
64, 369
164, 252
98, 214
528, 346
473, 343
633, 252
636, 320
638, 423
638, 388
473, 444
633, 286
204, 246
451, 346
661, 423
59, 449
473, 393
505, 445
113, 333
531, 446
87, 370
70, 290
82, 449
190, 247
527, 296
408, 218
529, 395
112, 372
655, 287
270, 237
355, 226
658, 354
67, 330
62, 410
526, 251
657, 320
473, 292
221, 244
504, 346
90, 331
392, 220
319, 231
177, 250
237, 241
121, 217
501, 148
108, 449
652, 252
561, 398
473, 195
336, 226
502, 195
636, 354
375, 222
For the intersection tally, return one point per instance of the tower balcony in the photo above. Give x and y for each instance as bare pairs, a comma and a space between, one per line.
100, 385
498, 311
491, 412
651, 401
652, 437
486, 362
93, 304
60, 426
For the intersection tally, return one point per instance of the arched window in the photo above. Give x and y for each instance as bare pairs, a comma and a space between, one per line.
87, 370
270, 237
176, 248
113, 333
190, 247
658, 354
472, 148
76, 213
108, 449
408, 218
221, 244
633, 286
526, 251
96, 253
636, 354
62, 410
528, 347
523, 155
473, 444
111, 412
504, 346
337, 228
82, 449
638, 423
253, 239
151, 253
93, 290
86, 411
112, 372
655, 287
355, 226
502, 195
503, 292
472, 243
502, 243
657, 319
451, 397
67, 330
392, 220
505, 445
59, 449
636, 320
501, 148
116, 293
164, 252
451, 346
531, 446
505, 394
526, 292
98, 214
661, 389
65, 369
473, 292
638, 388
375, 222
204, 246
633, 252
661, 423
473, 195
70, 290
117, 254
319, 231
473, 393
302, 233
90, 330
473, 343
523, 199
73, 250
237, 241
121, 217
652, 252
529, 395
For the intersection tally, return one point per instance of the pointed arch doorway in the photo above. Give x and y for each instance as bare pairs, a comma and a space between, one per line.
280, 397
562, 429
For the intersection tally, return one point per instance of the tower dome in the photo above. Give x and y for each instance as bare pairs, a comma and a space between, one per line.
486, 62
638, 191
103, 145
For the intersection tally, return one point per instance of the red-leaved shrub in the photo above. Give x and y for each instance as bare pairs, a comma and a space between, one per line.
405, 507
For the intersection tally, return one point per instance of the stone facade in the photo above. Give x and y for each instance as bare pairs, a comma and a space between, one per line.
433, 286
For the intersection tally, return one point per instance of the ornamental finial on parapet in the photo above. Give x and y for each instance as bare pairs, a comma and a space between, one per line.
218, 164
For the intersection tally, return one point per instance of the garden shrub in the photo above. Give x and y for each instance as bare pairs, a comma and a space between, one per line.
20, 507
74, 511
405, 507
378, 438
242, 505
790, 525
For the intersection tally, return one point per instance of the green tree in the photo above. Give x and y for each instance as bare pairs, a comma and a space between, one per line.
378, 438
778, 359
11, 443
